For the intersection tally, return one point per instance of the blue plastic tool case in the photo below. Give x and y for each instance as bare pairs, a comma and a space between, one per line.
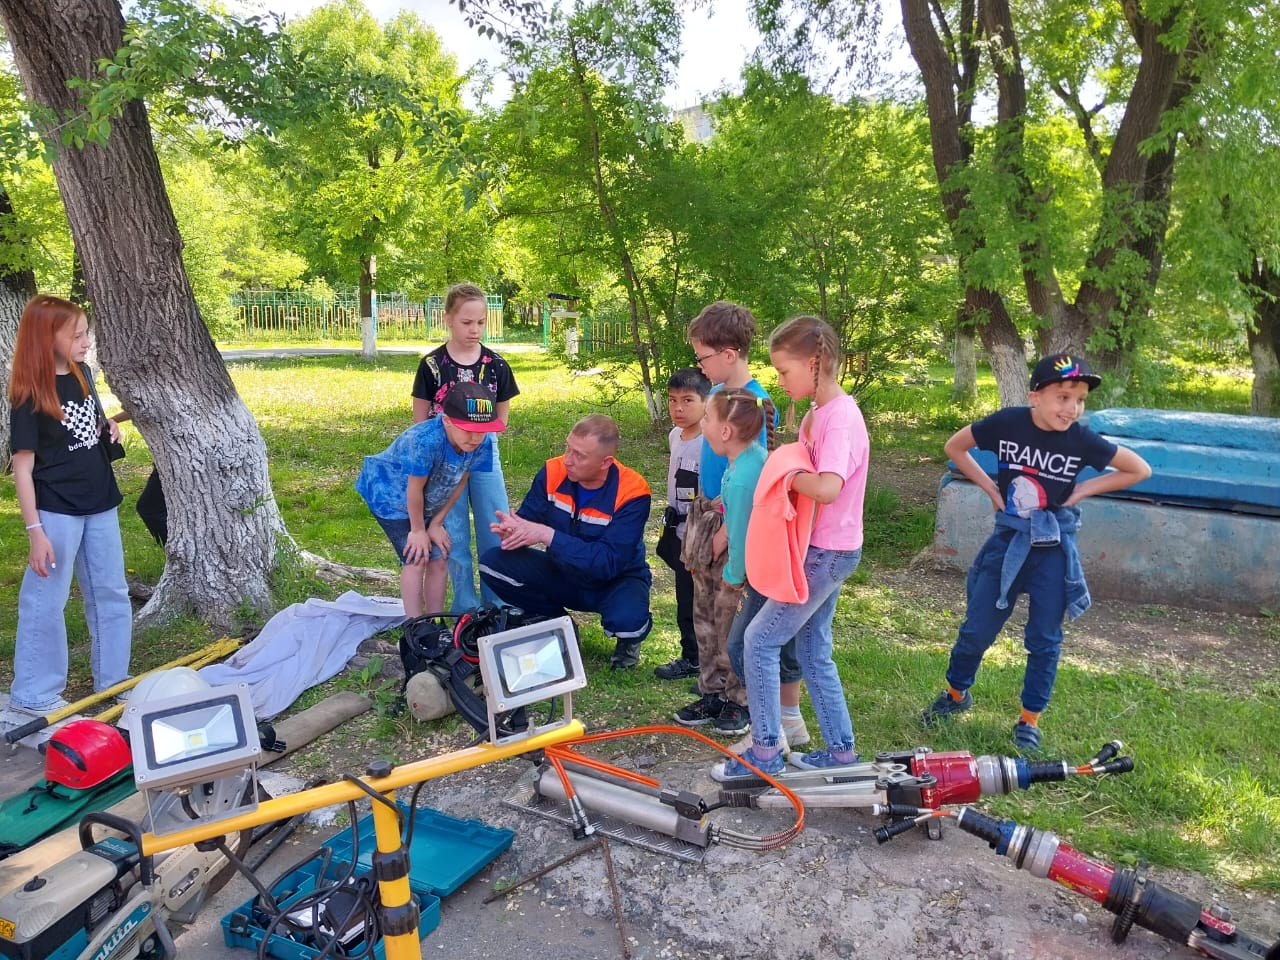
445, 854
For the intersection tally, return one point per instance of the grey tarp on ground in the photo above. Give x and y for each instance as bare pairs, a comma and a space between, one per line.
303, 645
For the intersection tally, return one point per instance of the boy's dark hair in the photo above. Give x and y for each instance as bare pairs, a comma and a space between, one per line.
724, 325
691, 380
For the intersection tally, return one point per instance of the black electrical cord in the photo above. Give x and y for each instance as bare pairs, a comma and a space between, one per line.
363, 891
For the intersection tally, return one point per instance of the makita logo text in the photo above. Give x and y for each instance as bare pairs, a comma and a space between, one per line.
122, 933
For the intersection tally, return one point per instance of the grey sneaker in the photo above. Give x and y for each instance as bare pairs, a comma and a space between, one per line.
677, 669
944, 707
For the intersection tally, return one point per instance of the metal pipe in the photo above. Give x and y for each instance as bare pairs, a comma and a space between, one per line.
627, 804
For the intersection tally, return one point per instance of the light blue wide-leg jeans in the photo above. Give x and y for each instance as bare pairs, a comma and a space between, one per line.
90, 546
486, 493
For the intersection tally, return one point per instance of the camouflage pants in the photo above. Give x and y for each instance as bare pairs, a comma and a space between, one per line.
715, 603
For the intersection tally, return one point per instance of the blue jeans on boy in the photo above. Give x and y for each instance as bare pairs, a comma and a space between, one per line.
1043, 579
788, 666
91, 548
810, 624
486, 493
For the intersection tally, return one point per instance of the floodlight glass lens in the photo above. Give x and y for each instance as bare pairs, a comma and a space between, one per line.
532, 663
195, 733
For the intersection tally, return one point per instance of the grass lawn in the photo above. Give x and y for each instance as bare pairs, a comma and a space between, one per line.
1204, 797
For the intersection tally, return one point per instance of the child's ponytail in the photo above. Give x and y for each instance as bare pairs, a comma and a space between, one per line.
746, 412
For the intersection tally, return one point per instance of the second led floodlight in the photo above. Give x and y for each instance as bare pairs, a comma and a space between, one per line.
529, 664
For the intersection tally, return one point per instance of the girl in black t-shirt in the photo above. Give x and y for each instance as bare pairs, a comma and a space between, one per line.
68, 496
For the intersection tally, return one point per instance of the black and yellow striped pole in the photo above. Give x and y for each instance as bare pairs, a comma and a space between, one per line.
382, 778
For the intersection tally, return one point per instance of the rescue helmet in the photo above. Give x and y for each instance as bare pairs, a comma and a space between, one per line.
84, 753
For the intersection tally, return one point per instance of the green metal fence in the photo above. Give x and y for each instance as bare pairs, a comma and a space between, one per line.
272, 315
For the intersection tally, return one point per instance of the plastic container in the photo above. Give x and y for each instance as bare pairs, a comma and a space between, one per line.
445, 854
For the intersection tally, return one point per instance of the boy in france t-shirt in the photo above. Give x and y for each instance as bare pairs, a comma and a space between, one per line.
1040, 450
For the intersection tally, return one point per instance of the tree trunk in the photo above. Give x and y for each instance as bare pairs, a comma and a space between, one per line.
964, 390
983, 310
1000, 338
368, 325
1264, 344
635, 292
16, 288
159, 357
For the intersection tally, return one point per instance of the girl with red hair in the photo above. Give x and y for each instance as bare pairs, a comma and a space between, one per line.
68, 496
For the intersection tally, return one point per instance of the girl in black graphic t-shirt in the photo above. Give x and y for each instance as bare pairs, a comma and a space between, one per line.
68, 496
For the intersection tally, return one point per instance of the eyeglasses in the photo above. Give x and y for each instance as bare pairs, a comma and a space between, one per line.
707, 356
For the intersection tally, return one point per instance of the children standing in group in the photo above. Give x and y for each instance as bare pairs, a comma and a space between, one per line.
464, 358
68, 496
411, 486
686, 401
804, 351
720, 336
1040, 451
733, 421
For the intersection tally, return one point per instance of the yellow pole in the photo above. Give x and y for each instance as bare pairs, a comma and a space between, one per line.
282, 808
399, 913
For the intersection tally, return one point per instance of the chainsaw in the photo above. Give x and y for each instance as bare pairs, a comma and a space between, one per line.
107, 901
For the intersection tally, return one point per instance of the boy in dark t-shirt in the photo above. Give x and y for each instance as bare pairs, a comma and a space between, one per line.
1040, 451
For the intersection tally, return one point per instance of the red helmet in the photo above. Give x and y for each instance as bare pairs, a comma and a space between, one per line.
85, 753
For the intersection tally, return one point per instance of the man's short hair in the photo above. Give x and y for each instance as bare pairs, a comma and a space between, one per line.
724, 325
603, 428
690, 380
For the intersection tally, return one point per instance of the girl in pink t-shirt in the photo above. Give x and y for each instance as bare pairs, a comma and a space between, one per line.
804, 351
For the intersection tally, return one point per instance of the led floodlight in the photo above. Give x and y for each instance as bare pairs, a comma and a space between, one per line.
529, 664
194, 737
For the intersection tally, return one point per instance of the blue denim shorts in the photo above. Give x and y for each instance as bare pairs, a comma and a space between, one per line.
397, 532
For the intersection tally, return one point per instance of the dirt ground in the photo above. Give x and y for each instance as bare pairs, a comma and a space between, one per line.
831, 892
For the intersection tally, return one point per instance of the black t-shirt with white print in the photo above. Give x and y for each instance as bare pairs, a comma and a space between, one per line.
1038, 468
438, 370
72, 474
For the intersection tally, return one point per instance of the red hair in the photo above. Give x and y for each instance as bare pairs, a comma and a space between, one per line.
35, 371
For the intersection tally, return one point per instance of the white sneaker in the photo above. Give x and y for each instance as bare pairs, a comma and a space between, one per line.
794, 731
39, 711
794, 734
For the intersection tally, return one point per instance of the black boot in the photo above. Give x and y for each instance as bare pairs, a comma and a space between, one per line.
625, 655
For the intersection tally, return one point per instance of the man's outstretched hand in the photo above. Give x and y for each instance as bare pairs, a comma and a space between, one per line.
515, 531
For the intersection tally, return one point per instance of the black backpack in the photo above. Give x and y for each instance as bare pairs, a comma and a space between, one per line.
452, 654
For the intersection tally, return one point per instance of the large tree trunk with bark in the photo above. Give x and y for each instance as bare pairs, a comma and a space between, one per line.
17, 286
157, 352
947, 96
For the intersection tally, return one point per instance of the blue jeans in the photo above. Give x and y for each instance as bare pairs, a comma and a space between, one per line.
1043, 579
486, 493
788, 666
90, 547
810, 624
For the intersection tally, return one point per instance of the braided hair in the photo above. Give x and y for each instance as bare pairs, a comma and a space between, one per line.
808, 337
746, 412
